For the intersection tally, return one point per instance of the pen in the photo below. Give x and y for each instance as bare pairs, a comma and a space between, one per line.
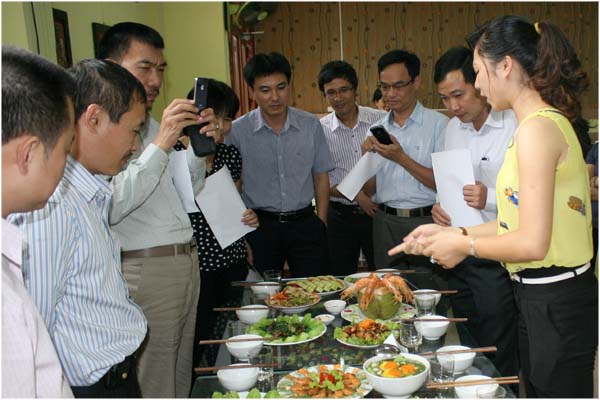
484, 158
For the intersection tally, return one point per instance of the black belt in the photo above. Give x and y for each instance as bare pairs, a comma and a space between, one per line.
119, 373
286, 216
346, 208
406, 212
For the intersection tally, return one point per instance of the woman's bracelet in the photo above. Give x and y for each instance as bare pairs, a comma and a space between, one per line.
472, 251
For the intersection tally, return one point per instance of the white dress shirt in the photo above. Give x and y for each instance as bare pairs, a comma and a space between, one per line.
30, 366
345, 143
487, 147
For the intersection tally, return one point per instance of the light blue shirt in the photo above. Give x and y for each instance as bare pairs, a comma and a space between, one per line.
421, 135
277, 169
72, 269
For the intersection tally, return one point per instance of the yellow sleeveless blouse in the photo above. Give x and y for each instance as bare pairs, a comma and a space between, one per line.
571, 241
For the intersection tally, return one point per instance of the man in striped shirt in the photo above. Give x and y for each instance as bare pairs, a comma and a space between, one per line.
72, 262
350, 224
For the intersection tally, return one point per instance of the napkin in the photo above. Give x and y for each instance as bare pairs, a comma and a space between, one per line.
392, 340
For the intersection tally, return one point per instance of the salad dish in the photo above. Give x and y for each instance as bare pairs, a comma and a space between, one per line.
365, 334
325, 381
352, 313
288, 330
292, 300
253, 394
323, 285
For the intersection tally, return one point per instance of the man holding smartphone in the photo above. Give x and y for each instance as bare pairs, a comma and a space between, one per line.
405, 187
160, 261
350, 223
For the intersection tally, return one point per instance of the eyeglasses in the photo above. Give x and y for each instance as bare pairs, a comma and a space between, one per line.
384, 87
343, 91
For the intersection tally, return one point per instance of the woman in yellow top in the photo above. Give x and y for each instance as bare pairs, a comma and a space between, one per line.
543, 231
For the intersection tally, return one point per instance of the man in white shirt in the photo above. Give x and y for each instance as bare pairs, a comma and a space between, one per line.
484, 287
37, 131
350, 223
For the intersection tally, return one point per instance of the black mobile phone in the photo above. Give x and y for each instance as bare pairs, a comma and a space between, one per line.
381, 134
201, 144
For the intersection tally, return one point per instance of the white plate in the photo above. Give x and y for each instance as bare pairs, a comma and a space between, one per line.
353, 313
359, 275
359, 346
296, 309
301, 341
284, 385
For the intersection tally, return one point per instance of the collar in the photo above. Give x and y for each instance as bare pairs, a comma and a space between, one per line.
361, 117
415, 116
12, 244
87, 184
495, 119
290, 120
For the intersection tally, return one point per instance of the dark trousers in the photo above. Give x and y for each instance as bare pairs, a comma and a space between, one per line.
558, 336
348, 231
216, 291
485, 297
302, 243
120, 381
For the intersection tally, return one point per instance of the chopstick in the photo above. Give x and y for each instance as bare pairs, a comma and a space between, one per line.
435, 320
208, 369
506, 380
473, 350
436, 292
239, 308
219, 341
240, 283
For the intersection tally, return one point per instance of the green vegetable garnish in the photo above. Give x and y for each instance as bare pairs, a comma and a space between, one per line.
272, 394
253, 394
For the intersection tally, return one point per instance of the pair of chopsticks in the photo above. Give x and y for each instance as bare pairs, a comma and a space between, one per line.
241, 283
435, 320
473, 350
506, 380
209, 369
219, 341
436, 292
238, 308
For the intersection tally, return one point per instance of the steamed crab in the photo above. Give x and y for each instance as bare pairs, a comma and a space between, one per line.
373, 285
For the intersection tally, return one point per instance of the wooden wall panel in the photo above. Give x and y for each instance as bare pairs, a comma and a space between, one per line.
308, 34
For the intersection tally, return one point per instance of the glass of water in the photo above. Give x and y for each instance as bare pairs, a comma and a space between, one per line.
264, 356
425, 304
410, 337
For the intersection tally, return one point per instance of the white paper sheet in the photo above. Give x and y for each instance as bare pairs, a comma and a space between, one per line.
452, 170
223, 208
183, 180
368, 165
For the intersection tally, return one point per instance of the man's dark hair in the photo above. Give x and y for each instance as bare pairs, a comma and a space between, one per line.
107, 84
377, 95
266, 64
117, 39
455, 59
337, 69
221, 98
35, 97
410, 61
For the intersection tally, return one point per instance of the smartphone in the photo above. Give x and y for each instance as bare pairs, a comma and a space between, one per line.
381, 134
201, 144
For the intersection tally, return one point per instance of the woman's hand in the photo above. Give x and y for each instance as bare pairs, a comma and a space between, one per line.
447, 248
413, 242
250, 218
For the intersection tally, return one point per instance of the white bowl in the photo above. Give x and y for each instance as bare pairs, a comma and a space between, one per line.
325, 318
335, 306
264, 291
432, 330
238, 379
462, 361
244, 350
437, 296
252, 316
397, 387
470, 392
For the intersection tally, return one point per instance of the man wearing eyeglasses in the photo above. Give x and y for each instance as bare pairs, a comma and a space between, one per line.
350, 223
405, 186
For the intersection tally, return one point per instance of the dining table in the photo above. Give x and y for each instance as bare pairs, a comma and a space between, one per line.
327, 350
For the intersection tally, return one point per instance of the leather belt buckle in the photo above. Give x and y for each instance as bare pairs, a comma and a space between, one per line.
403, 212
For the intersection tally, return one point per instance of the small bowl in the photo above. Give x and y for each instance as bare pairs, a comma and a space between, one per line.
264, 291
437, 296
325, 318
432, 330
334, 306
252, 316
238, 379
244, 350
397, 387
462, 361
470, 392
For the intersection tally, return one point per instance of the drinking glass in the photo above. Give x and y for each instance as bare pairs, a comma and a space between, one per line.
272, 275
410, 337
264, 356
425, 304
442, 371
490, 392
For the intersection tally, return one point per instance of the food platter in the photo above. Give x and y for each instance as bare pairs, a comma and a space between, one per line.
288, 330
358, 346
367, 334
300, 341
352, 313
285, 384
319, 282
314, 299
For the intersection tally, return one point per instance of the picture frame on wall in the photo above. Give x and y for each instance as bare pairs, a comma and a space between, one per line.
98, 31
64, 56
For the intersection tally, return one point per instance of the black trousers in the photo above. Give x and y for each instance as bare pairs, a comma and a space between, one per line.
119, 382
216, 291
347, 233
558, 336
485, 297
302, 243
